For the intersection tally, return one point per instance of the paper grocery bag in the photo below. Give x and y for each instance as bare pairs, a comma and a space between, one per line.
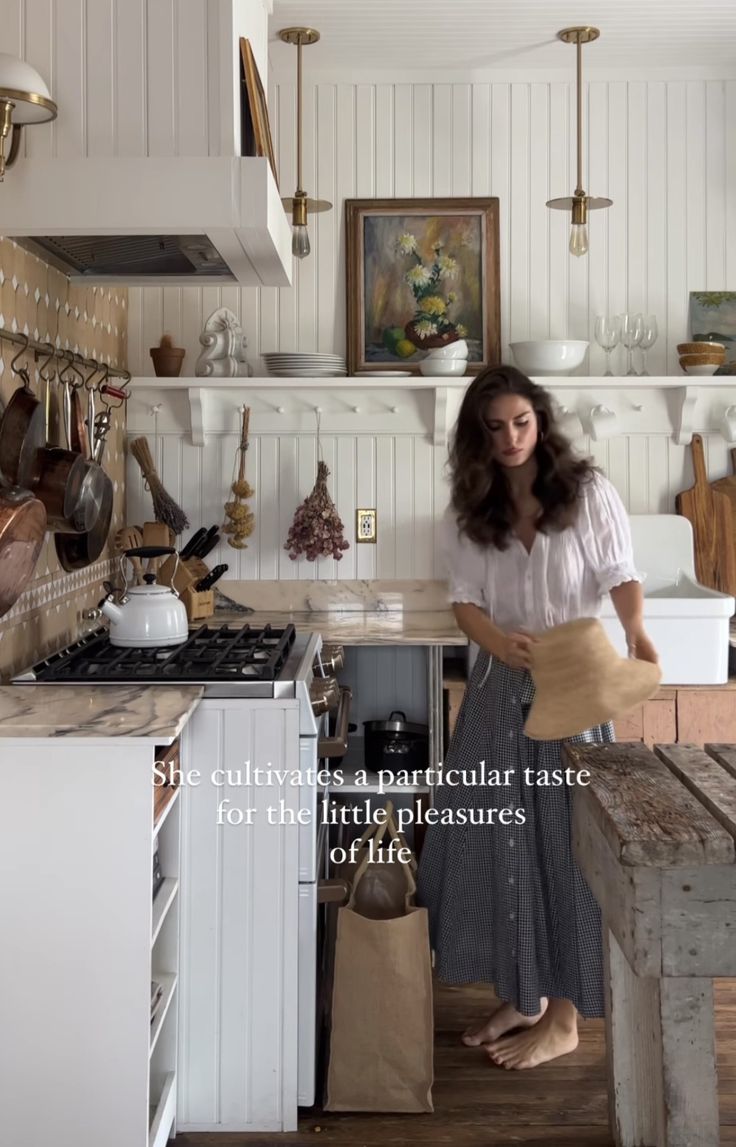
381, 1045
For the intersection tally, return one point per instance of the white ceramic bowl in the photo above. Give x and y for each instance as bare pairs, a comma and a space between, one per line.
458, 349
549, 356
443, 367
702, 369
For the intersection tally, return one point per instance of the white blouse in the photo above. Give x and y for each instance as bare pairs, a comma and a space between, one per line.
565, 576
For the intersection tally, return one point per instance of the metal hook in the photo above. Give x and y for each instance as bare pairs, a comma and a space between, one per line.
22, 370
88, 380
45, 362
105, 374
69, 354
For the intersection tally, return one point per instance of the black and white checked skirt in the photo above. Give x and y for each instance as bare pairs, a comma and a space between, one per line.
507, 903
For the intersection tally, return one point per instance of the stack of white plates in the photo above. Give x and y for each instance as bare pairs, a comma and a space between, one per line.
285, 364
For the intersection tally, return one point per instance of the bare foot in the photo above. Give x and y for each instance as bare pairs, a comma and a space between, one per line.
546, 1040
504, 1019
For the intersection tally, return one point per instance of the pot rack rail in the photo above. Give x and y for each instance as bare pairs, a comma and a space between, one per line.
43, 351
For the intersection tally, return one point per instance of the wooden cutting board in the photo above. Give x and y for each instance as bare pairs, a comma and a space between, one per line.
710, 513
727, 486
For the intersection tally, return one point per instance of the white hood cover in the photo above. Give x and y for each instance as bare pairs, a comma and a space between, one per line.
141, 221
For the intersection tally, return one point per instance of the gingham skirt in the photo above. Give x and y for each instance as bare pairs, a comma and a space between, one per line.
507, 903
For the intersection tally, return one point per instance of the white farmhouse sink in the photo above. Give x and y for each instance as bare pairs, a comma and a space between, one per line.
687, 622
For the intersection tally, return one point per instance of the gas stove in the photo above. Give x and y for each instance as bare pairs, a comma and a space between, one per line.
229, 661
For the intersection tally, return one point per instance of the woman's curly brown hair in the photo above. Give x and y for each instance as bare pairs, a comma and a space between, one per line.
481, 495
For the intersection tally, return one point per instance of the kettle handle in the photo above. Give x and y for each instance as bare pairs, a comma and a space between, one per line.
149, 552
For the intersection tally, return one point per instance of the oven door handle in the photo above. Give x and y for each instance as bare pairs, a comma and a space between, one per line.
333, 891
337, 746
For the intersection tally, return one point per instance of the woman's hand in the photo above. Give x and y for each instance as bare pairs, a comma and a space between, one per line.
516, 650
641, 647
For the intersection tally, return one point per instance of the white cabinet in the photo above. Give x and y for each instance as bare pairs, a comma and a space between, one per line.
80, 1062
240, 921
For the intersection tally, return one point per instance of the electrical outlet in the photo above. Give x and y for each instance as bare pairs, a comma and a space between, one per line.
365, 526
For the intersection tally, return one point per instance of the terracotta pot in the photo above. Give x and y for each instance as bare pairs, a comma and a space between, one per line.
432, 341
167, 360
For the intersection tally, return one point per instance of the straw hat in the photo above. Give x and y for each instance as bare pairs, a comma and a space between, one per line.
581, 681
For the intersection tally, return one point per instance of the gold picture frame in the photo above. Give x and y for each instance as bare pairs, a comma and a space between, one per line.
256, 127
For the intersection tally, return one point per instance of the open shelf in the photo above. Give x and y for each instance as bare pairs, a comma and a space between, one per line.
163, 1113
164, 899
169, 982
164, 812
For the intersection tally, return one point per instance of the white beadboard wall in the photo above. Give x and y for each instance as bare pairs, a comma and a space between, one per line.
662, 149
137, 77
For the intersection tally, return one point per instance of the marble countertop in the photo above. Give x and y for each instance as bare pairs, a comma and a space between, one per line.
154, 712
357, 627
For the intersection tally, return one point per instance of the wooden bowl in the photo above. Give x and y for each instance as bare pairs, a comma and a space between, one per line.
701, 348
701, 359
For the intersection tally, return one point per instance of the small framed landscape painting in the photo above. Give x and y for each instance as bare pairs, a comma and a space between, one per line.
421, 274
713, 319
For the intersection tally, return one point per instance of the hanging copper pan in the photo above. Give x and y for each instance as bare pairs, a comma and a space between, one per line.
22, 529
22, 432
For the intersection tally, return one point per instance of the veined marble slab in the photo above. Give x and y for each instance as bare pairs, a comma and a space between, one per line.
374, 596
353, 627
155, 712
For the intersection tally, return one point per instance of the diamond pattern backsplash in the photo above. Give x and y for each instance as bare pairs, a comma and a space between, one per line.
39, 301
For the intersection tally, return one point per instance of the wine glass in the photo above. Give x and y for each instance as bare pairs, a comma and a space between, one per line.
631, 331
607, 335
648, 338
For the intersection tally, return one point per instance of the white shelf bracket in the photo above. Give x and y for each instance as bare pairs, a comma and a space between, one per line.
685, 420
440, 416
198, 414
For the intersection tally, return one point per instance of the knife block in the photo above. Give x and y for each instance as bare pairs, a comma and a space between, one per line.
183, 577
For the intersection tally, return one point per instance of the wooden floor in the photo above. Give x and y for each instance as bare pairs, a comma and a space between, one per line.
479, 1105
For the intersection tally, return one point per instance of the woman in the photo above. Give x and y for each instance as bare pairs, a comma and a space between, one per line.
534, 537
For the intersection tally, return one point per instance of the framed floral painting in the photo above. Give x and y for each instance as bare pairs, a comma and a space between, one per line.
421, 274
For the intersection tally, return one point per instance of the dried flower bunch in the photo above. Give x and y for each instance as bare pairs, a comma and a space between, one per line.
242, 520
317, 529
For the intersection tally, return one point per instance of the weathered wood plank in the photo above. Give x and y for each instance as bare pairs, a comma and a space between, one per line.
629, 897
698, 921
690, 1082
633, 1050
705, 778
725, 755
647, 816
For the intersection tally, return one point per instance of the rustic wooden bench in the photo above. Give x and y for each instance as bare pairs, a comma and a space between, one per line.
654, 834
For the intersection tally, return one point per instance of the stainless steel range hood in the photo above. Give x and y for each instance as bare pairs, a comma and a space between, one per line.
141, 221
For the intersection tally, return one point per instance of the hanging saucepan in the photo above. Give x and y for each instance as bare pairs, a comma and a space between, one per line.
75, 551
22, 529
22, 430
60, 478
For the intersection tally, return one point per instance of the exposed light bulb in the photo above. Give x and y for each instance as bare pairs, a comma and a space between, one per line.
579, 239
300, 241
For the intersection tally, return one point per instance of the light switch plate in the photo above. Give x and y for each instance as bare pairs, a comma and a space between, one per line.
365, 526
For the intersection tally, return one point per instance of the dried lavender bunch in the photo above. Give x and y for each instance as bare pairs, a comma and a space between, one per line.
317, 530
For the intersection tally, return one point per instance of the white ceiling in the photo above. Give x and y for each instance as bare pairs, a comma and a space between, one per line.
417, 35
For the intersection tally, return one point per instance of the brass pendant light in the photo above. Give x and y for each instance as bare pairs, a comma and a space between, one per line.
580, 203
301, 207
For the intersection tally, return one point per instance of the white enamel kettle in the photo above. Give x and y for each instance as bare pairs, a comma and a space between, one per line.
150, 614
